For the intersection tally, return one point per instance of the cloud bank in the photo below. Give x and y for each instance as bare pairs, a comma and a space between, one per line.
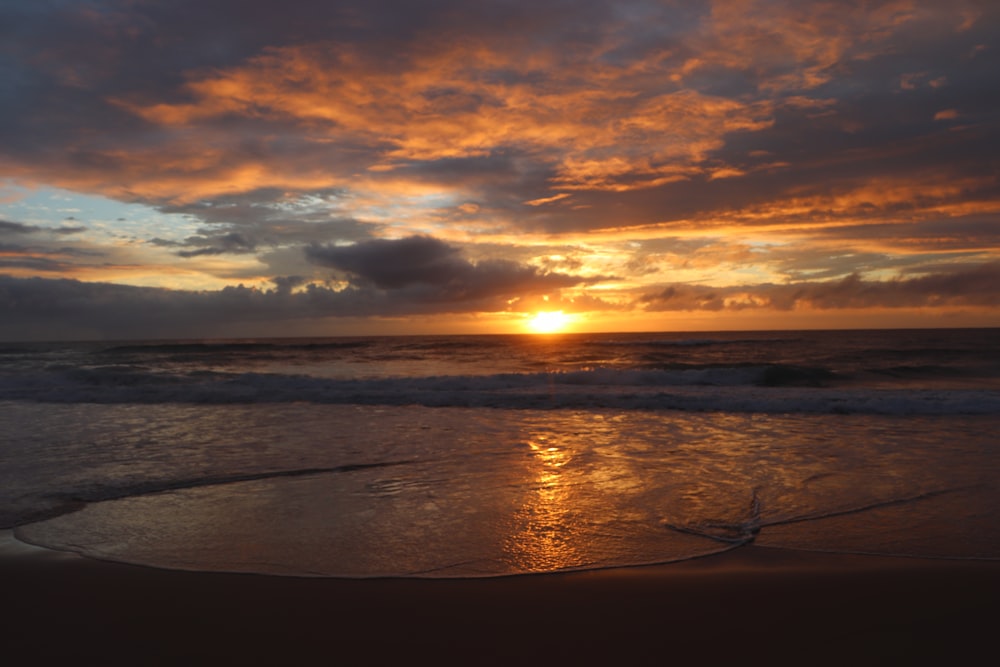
42, 308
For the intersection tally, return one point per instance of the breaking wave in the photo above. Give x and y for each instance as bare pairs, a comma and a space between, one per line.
765, 389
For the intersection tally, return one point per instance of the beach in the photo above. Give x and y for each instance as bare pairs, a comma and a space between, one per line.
508, 333
753, 604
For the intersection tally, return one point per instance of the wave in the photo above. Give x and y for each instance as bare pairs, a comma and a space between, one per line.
745, 389
764, 375
691, 342
199, 348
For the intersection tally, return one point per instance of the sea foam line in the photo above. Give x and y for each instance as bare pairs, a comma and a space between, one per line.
739, 389
61, 503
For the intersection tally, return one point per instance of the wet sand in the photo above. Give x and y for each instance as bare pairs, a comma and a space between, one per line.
753, 605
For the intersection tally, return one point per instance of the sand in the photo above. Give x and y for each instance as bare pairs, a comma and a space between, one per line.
754, 605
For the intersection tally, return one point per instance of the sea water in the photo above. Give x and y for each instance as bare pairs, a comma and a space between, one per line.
457, 456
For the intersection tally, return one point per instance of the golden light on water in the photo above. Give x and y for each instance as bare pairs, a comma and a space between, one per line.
552, 321
546, 536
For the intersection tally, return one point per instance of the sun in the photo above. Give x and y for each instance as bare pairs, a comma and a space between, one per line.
551, 321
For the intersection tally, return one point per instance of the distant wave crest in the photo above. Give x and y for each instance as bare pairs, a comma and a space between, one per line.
764, 389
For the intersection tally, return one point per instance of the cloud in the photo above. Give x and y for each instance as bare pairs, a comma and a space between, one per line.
215, 244
73, 308
416, 275
976, 286
16, 228
394, 264
30, 306
12, 258
7, 227
609, 97
433, 155
35, 249
433, 270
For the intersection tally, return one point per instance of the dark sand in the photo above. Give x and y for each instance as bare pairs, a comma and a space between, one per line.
753, 606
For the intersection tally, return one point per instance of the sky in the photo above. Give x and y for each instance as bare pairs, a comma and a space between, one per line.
221, 168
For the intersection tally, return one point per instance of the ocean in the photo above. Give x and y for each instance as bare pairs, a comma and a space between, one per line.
474, 456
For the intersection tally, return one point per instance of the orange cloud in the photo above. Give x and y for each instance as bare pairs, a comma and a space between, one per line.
444, 105
739, 142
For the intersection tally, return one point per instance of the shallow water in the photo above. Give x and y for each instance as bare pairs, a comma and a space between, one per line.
489, 455
333, 490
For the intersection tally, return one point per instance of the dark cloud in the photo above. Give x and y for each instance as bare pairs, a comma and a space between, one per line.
35, 262
7, 227
435, 270
411, 276
28, 306
977, 286
73, 308
976, 233
220, 244
285, 284
33, 305
16, 228
64, 231
391, 264
265, 219
264, 222
35, 248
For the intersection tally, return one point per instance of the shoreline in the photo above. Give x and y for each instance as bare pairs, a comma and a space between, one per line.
786, 607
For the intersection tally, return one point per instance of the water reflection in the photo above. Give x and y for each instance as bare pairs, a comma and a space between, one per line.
545, 528
486, 492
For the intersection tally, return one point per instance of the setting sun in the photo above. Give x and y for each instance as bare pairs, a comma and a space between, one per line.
549, 322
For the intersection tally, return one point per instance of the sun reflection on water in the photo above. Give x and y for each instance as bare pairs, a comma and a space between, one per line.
545, 528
